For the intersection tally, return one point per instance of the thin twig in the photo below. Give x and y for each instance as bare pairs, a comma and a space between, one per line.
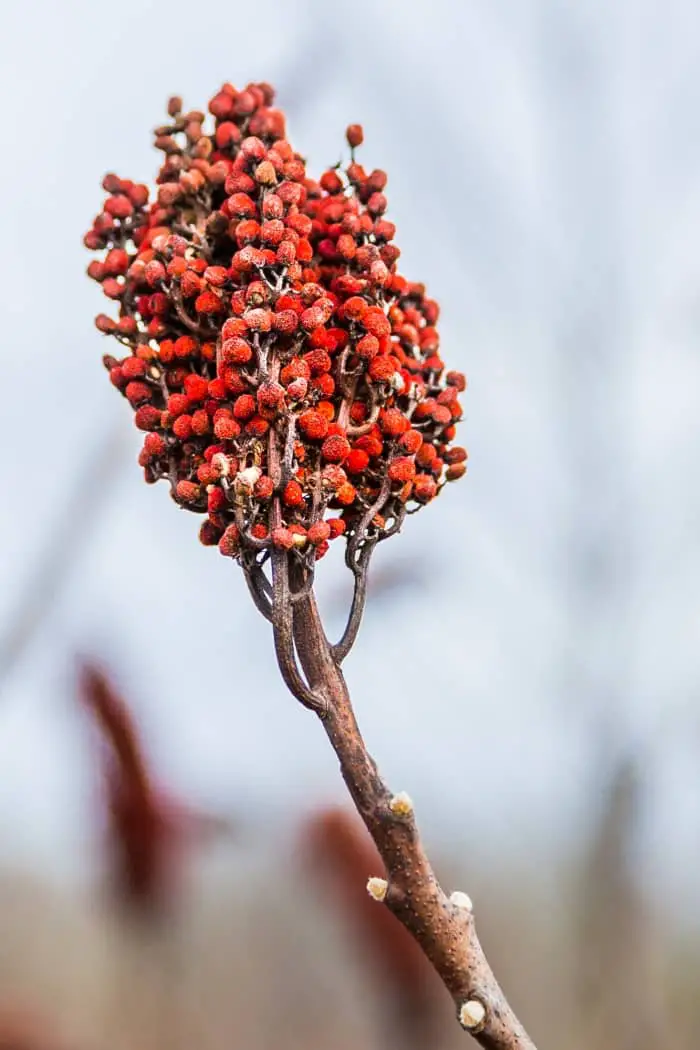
359, 596
364, 545
360, 529
254, 577
189, 322
364, 428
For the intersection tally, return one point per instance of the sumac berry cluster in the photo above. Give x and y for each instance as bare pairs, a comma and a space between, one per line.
287, 379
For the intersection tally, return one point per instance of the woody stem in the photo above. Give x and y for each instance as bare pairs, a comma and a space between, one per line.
444, 930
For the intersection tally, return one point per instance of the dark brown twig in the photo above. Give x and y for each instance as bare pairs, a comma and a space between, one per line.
253, 565
254, 576
359, 596
189, 322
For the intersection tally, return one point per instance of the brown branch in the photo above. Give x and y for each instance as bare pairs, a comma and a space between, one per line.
306, 586
359, 596
359, 534
194, 326
364, 428
282, 630
443, 927
258, 585
287, 467
140, 833
357, 556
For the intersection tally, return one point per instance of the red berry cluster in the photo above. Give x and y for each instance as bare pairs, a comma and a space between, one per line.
287, 378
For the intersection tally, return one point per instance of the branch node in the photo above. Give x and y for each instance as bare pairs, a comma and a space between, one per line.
472, 1015
461, 900
377, 888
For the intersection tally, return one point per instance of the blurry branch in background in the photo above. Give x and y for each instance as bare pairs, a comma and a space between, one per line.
618, 985
65, 542
149, 838
140, 829
592, 319
336, 845
148, 832
20, 1030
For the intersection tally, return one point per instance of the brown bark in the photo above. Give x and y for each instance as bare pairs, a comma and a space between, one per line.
445, 930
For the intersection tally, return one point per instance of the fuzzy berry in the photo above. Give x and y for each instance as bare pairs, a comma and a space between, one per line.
293, 495
187, 491
402, 469
335, 448
355, 135
313, 424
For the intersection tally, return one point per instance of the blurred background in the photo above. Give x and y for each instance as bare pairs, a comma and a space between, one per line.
528, 666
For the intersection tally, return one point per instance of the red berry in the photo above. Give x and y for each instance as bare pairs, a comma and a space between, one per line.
283, 538
293, 495
357, 461
313, 424
355, 135
375, 321
335, 448
402, 469
244, 407
355, 308
424, 488
236, 351
229, 544
318, 533
187, 491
